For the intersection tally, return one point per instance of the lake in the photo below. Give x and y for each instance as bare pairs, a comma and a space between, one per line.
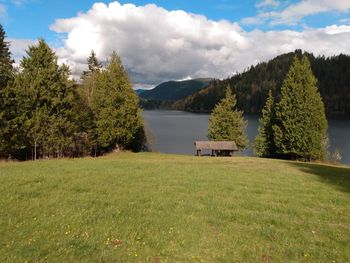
175, 132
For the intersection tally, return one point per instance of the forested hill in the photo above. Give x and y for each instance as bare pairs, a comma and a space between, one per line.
251, 87
175, 90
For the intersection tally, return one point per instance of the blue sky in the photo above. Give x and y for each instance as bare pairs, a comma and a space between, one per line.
40, 14
194, 42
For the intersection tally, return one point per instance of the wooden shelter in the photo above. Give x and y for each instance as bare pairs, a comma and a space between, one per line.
225, 148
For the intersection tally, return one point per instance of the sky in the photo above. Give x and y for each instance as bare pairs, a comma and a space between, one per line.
161, 40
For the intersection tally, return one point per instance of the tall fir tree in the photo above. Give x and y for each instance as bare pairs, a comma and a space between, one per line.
6, 77
116, 109
90, 77
6, 62
227, 123
44, 125
87, 139
264, 141
300, 131
93, 63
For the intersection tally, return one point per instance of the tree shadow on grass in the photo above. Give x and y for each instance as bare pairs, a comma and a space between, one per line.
336, 176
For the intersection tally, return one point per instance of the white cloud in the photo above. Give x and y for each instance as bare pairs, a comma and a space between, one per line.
18, 47
268, 3
3, 11
344, 21
328, 41
157, 45
293, 13
5, 3
18, 2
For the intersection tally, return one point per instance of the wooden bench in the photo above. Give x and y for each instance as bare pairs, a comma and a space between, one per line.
225, 148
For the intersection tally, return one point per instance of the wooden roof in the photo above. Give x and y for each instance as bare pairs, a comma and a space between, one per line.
216, 145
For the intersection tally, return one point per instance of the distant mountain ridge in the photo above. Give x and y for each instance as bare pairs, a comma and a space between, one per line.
251, 87
139, 91
175, 90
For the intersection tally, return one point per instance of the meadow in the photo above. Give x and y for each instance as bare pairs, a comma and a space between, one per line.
151, 207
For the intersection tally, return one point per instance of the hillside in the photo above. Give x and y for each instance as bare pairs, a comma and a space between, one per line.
167, 208
139, 91
251, 87
175, 90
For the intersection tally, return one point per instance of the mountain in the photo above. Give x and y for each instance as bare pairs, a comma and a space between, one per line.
251, 87
139, 91
175, 90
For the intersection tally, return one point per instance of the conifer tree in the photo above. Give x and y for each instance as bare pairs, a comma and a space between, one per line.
93, 63
86, 140
90, 77
116, 109
300, 131
264, 142
6, 76
6, 62
227, 123
44, 97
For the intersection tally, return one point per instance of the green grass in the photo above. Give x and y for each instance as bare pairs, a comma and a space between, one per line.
167, 208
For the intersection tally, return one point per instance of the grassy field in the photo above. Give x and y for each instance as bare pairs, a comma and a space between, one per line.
167, 208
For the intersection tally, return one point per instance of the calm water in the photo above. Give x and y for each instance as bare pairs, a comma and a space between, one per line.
175, 132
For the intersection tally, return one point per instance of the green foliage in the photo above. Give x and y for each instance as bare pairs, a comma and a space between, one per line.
204, 100
252, 86
115, 106
227, 123
175, 90
93, 63
45, 114
90, 78
84, 139
300, 131
6, 62
44, 101
6, 79
264, 142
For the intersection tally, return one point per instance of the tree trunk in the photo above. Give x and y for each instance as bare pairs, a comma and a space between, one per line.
35, 146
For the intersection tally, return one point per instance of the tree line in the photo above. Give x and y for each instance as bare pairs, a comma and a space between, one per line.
46, 114
253, 85
292, 126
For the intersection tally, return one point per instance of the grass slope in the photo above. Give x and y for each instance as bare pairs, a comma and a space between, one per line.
165, 208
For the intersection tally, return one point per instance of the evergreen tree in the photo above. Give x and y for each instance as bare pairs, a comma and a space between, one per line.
300, 131
86, 140
227, 123
44, 96
6, 77
6, 62
93, 63
264, 142
251, 86
90, 77
116, 109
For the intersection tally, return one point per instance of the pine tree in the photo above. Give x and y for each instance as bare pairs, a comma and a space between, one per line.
300, 131
93, 63
86, 141
89, 77
116, 109
264, 142
6, 62
6, 77
227, 123
44, 96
